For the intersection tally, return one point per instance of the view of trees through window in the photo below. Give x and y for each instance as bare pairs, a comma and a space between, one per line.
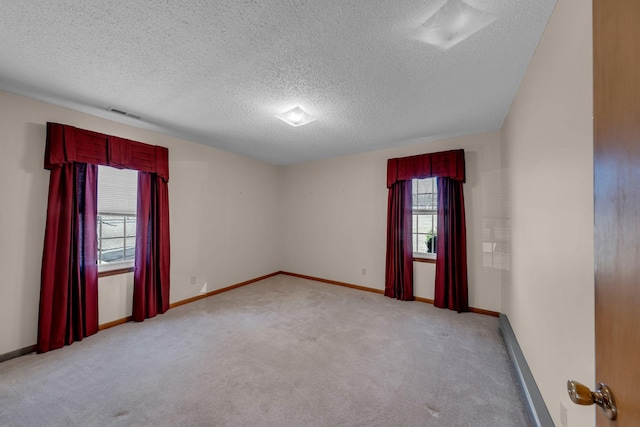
425, 215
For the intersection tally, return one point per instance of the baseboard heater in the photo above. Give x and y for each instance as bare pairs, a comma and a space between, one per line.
538, 411
17, 353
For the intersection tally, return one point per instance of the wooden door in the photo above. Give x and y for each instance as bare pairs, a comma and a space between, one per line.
616, 41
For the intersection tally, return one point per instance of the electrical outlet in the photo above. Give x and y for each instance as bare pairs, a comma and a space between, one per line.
364, 271
193, 280
563, 415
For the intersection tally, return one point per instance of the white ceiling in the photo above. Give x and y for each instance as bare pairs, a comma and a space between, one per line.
216, 72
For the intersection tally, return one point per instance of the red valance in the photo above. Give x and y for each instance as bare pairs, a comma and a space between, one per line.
68, 144
445, 164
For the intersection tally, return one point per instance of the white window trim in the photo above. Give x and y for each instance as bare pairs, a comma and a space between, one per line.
103, 268
114, 265
424, 255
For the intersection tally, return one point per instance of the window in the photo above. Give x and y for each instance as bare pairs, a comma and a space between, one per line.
425, 217
116, 227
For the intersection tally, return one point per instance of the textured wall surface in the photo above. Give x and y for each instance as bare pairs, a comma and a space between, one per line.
548, 293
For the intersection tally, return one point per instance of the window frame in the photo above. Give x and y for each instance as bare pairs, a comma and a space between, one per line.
426, 257
122, 267
113, 266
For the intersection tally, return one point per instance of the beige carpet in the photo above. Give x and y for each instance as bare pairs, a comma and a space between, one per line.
280, 352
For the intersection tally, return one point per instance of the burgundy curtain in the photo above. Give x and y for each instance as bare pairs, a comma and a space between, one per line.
69, 279
151, 274
399, 271
451, 262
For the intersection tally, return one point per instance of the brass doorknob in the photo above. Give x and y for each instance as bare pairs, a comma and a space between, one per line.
602, 397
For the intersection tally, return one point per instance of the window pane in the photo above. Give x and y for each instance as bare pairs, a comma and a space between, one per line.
112, 250
130, 253
117, 199
424, 218
422, 243
110, 244
424, 194
112, 226
131, 226
432, 201
425, 224
432, 243
117, 190
112, 256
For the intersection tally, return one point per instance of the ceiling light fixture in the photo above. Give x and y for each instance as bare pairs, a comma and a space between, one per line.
452, 23
295, 117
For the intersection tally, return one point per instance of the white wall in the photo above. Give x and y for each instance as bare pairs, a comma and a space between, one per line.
223, 212
115, 297
548, 294
334, 215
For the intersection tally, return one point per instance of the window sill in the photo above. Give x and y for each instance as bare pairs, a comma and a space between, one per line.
112, 270
424, 258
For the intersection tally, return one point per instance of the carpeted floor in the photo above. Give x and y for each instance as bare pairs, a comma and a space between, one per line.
281, 352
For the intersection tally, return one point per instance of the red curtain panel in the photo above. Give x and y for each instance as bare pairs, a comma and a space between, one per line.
451, 265
69, 290
399, 271
151, 274
69, 279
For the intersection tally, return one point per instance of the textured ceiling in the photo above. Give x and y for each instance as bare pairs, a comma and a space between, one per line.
216, 72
